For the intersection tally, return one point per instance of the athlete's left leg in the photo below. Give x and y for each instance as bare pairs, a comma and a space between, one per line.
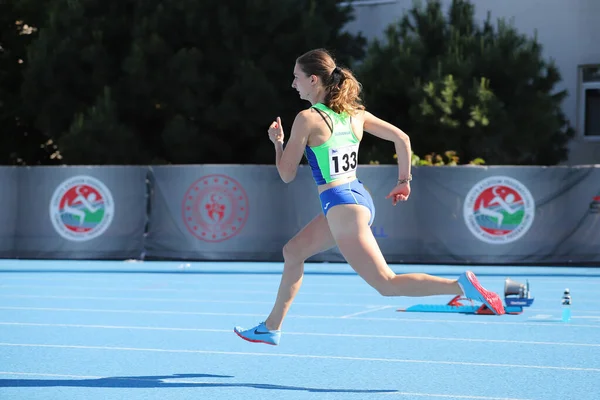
349, 225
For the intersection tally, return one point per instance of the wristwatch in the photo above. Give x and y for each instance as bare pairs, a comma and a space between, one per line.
405, 180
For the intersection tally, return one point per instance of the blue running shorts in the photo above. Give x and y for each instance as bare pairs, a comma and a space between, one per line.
348, 193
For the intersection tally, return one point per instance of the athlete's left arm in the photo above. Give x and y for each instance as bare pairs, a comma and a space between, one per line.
289, 158
385, 130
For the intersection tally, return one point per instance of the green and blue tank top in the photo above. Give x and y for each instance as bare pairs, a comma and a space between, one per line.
337, 158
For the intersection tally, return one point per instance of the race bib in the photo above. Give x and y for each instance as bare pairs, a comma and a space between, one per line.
343, 160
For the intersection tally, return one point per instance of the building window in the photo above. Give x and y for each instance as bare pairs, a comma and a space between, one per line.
589, 101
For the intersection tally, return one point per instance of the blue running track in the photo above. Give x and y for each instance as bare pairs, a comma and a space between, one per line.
95, 330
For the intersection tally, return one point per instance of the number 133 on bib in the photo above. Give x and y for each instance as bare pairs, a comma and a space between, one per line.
343, 161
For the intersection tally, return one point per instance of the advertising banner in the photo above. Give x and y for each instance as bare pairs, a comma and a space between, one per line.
463, 214
218, 212
81, 212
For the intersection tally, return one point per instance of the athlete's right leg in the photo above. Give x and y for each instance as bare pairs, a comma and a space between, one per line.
314, 238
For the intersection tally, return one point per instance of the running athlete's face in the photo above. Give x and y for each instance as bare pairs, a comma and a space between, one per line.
302, 83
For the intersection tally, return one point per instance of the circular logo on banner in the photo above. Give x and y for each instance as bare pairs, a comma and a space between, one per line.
499, 210
81, 208
215, 208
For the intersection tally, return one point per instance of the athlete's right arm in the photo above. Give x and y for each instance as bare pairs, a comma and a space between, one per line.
289, 158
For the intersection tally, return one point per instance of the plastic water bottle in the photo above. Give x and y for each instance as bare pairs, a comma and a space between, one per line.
566, 306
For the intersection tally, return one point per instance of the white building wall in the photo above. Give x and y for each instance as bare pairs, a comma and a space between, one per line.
569, 31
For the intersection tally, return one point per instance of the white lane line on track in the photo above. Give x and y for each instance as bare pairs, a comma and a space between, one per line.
349, 335
373, 309
166, 288
398, 319
184, 300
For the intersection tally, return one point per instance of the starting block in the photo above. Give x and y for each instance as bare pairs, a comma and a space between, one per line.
516, 296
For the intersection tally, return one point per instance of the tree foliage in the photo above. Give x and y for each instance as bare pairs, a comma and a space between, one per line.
20, 142
136, 82
183, 81
480, 90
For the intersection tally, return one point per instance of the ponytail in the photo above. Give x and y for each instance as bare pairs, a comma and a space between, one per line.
343, 92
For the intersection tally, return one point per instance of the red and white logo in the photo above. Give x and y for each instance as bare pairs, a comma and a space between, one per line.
81, 208
215, 208
499, 209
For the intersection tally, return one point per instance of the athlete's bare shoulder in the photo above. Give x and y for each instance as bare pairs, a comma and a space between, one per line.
359, 115
310, 119
304, 123
358, 122
311, 114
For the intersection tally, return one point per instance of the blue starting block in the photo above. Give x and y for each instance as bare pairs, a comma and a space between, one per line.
516, 297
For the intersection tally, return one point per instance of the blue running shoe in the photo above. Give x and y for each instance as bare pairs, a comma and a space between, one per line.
473, 290
259, 334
